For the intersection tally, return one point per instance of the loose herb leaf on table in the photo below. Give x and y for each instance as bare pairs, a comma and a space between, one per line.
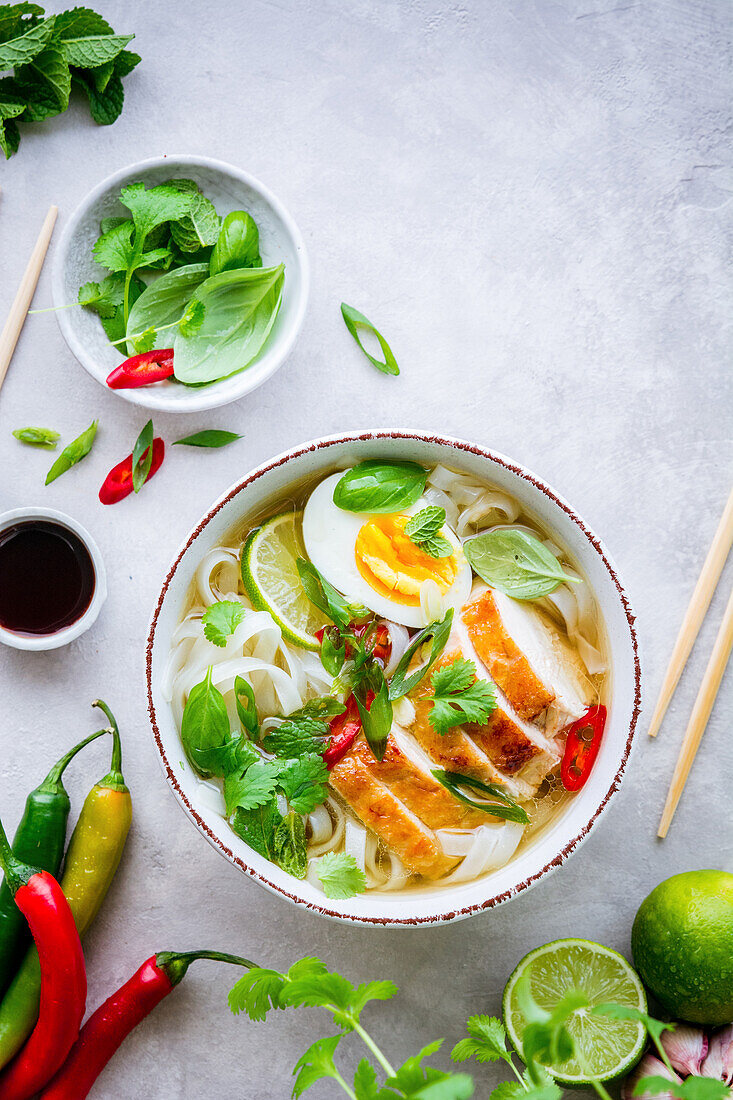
37, 437
73, 452
354, 321
209, 437
516, 563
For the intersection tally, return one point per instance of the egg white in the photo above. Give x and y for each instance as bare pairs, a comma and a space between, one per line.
329, 535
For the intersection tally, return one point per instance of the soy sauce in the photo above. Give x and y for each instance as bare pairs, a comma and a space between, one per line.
46, 577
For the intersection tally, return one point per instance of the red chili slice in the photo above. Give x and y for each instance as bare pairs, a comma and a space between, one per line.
582, 747
142, 370
344, 728
118, 482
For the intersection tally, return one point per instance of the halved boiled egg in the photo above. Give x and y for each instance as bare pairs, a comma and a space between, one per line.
370, 559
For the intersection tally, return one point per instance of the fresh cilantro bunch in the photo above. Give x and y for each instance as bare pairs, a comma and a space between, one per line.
48, 56
546, 1041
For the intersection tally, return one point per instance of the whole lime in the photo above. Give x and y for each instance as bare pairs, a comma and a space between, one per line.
682, 943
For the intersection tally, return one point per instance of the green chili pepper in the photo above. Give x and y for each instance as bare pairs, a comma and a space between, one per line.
39, 840
92, 858
238, 244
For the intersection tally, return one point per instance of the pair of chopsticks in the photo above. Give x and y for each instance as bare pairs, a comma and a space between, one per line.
691, 624
19, 309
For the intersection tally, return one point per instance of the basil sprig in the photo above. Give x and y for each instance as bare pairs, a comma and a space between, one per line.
354, 320
142, 457
516, 563
380, 487
401, 683
505, 807
73, 452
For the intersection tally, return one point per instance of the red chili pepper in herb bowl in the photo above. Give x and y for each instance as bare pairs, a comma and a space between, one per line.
63, 976
582, 747
118, 483
142, 370
108, 1027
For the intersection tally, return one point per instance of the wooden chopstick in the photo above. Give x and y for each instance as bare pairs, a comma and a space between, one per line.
700, 714
695, 613
19, 309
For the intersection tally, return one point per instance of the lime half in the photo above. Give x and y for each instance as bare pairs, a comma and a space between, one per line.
270, 578
604, 1048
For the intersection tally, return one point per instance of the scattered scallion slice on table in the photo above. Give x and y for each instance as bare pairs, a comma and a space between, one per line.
73, 452
37, 437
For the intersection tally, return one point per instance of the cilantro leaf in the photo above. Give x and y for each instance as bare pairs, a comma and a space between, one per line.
297, 737
145, 341
422, 1082
365, 1081
340, 876
221, 619
692, 1088
304, 782
254, 788
290, 846
459, 697
316, 1064
151, 207
486, 1041
103, 297
507, 1090
257, 827
257, 992
114, 249
193, 318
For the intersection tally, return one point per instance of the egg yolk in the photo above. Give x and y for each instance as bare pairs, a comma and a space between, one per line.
394, 566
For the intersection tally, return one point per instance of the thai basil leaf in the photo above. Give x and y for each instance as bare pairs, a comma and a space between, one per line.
210, 437
505, 807
241, 307
246, 707
354, 321
290, 845
37, 437
142, 457
323, 595
73, 452
380, 487
516, 563
165, 301
205, 725
401, 683
237, 245
257, 827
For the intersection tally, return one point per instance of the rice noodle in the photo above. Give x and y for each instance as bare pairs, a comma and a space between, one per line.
284, 677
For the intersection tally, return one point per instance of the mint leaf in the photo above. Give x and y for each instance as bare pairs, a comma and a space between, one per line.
22, 50
13, 21
125, 62
88, 51
459, 697
105, 106
340, 876
254, 788
199, 228
316, 1064
290, 846
437, 547
257, 827
9, 137
486, 1042
221, 620
325, 706
44, 84
297, 737
304, 782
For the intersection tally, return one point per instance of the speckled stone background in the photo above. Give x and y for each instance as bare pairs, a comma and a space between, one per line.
533, 201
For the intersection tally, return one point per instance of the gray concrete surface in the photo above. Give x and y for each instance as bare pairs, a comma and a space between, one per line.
532, 200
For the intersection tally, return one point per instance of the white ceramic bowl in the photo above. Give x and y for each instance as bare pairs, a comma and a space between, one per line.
229, 188
555, 844
82, 624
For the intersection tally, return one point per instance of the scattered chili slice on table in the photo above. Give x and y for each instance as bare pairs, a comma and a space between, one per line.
142, 370
582, 747
109, 1026
63, 976
118, 482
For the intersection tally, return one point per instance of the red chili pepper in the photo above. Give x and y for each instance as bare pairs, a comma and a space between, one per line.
107, 1028
118, 482
344, 728
582, 747
142, 370
63, 976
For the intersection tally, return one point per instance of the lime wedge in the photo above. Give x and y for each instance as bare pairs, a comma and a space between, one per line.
270, 578
604, 1048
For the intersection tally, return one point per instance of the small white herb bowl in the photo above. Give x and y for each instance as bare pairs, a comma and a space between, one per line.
429, 904
229, 188
74, 630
